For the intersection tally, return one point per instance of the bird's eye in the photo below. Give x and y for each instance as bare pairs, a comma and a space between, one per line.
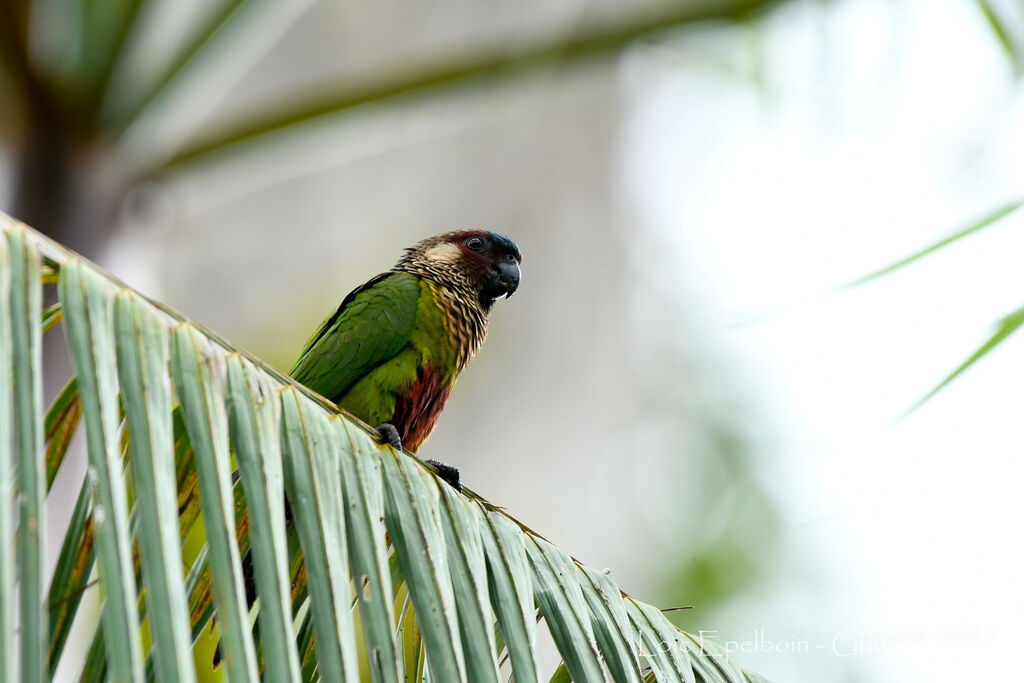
476, 243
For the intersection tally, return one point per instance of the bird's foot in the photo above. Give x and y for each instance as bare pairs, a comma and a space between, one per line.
448, 473
390, 435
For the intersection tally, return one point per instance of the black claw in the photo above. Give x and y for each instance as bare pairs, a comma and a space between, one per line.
448, 473
390, 435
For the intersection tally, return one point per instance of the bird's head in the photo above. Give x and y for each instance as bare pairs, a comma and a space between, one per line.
484, 262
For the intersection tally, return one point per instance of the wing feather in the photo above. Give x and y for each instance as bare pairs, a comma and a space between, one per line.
372, 325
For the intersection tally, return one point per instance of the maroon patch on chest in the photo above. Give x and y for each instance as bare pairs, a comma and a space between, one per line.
417, 411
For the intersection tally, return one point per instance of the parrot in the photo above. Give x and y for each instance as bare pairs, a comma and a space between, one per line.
392, 351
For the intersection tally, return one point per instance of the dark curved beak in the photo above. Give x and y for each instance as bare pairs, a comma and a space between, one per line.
504, 279
508, 274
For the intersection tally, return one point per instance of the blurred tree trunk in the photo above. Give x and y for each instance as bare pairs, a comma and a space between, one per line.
63, 189
57, 189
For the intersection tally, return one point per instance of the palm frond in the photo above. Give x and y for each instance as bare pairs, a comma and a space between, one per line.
1003, 34
130, 105
1004, 328
446, 586
974, 227
111, 23
8, 596
87, 320
23, 339
501, 63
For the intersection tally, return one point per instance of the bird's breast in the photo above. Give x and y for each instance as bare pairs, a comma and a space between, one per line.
419, 407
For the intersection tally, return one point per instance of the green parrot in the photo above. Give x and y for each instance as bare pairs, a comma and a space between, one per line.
392, 351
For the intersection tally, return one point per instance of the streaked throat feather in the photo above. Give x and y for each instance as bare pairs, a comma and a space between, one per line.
455, 295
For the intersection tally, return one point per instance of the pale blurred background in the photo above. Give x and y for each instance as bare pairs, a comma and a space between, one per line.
681, 391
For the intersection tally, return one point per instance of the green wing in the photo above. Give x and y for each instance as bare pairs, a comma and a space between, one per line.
371, 326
